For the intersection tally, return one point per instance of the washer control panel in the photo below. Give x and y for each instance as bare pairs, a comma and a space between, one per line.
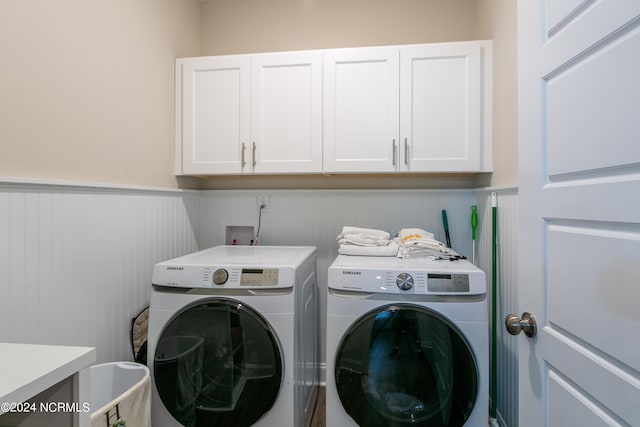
397, 276
438, 282
404, 281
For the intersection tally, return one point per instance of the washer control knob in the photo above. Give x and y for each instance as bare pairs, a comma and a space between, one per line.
404, 281
220, 276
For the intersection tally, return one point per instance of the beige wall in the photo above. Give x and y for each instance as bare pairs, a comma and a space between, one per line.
86, 88
244, 26
497, 21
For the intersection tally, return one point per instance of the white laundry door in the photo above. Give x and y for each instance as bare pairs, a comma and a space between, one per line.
579, 273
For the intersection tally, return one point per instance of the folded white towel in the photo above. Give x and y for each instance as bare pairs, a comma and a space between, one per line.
362, 240
389, 250
418, 243
415, 252
370, 232
417, 237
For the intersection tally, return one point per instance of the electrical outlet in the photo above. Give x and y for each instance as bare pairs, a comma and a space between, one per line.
263, 200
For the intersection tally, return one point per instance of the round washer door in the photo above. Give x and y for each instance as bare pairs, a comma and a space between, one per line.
406, 365
218, 362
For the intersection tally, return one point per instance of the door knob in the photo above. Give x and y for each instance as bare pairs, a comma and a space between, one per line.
527, 324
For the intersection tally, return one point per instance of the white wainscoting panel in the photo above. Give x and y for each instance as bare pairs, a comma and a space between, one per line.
76, 262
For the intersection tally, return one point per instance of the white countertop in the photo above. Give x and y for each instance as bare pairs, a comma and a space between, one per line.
28, 369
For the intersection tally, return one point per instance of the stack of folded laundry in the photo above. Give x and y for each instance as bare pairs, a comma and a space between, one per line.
366, 242
415, 242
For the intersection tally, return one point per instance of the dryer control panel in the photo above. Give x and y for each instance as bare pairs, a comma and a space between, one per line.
259, 277
235, 267
191, 276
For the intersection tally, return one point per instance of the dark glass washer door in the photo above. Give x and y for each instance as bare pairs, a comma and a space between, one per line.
406, 365
218, 363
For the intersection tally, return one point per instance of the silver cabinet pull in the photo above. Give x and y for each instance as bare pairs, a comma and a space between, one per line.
406, 152
394, 152
253, 154
243, 163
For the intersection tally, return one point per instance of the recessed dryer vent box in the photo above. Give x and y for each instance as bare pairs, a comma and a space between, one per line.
239, 235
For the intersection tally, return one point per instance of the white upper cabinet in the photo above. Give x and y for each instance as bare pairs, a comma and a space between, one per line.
212, 114
414, 108
411, 108
445, 107
286, 112
249, 114
361, 110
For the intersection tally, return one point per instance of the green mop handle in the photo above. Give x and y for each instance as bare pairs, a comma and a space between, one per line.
474, 221
493, 408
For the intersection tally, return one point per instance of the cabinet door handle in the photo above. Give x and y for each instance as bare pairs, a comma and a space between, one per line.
253, 154
243, 163
406, 152
395, 149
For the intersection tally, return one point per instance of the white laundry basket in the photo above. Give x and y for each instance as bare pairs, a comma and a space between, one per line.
120, 395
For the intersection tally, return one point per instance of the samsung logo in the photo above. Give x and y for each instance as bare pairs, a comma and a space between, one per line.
175, 268
352, 273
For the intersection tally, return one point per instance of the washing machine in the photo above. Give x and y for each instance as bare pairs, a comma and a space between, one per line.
407, 343
233, 337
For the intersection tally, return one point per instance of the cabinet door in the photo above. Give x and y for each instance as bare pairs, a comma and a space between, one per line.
215, 114
440, 107
361, 110
286, 112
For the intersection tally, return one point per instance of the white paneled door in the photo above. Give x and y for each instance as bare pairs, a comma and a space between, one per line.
579, 132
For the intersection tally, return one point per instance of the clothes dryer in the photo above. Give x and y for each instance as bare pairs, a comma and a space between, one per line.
407, 343
233, 337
